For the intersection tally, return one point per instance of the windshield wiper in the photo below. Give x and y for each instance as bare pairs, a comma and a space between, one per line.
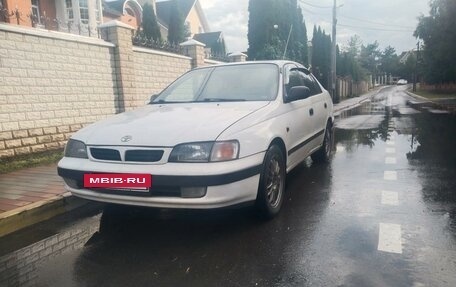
222, 100
167, 102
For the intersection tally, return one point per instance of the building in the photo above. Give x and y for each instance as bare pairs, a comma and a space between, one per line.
194, 17
73, 16
126, 11
83, 17
214, 41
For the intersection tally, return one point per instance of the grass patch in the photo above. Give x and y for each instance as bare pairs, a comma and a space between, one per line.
434, 95
24, 161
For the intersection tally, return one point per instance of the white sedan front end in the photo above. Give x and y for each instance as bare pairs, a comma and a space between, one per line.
174, 185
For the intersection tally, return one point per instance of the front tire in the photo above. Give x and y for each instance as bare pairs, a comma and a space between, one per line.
324, 153
272, 183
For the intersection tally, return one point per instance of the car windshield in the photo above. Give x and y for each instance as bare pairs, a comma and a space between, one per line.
256, 82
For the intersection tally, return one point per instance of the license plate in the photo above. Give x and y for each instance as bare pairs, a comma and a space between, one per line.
118, 181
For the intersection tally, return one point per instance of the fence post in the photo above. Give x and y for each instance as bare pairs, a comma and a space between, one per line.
237, 57
120, 34
194, 50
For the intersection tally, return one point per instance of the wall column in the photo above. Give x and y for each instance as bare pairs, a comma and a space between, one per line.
120, 34
238, 57
194, 50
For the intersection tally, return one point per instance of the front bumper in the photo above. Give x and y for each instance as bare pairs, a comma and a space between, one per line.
228, 183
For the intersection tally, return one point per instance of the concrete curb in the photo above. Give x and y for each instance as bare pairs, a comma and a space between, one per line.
435, 105
36, 212
418, 97
362, 98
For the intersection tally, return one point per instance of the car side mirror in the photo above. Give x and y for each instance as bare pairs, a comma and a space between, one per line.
298, 93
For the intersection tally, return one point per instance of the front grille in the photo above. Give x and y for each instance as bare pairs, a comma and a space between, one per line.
105, 154
143, 155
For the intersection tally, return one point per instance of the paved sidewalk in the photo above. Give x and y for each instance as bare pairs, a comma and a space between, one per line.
432, 105
27, 186
353, 102
32, 195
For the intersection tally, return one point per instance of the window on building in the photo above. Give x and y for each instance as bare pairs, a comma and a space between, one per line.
36, 11
130, 11
84, 11
69, 10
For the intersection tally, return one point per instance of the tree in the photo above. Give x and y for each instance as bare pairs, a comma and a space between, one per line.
270, 23
438, 32
219, 48
369, 58
176, 29
150, 28
321, 56
354, 45
389, 61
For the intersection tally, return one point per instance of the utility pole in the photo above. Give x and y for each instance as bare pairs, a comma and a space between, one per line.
333, 54
288, 40
415, 75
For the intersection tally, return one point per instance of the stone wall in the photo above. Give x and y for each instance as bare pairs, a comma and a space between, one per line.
154, 71
51, 84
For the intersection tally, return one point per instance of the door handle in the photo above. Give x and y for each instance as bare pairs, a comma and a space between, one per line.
311, 112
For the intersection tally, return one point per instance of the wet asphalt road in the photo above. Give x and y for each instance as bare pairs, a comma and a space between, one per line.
382, 213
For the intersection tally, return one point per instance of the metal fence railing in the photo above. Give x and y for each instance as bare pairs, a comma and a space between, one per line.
143, 41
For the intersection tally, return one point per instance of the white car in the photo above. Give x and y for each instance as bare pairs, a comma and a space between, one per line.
218, 136
402, 82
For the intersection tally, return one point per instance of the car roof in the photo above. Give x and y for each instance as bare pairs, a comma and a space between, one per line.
279, 63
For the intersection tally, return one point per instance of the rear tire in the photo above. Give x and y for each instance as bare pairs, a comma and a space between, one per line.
324, 153
272, 183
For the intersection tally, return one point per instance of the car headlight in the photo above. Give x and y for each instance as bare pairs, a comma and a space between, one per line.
205, 151
75, 148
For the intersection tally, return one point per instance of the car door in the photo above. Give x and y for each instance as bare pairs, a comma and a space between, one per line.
319, 110
298, 118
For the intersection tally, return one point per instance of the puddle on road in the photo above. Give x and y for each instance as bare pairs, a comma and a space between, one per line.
428, 140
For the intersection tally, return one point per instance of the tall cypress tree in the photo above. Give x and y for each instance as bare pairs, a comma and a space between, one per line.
176, 29
150, 27
270, 22
321, 59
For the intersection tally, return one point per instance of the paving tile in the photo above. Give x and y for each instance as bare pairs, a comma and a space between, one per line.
39, 194
33, 198
29, 185
14, 202
6, 207
9, 196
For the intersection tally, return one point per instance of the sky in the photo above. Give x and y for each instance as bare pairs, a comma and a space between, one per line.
390, 22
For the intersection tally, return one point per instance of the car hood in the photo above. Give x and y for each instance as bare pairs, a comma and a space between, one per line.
168, 124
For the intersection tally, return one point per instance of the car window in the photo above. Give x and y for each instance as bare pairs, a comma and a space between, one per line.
254, 82
297, 77
310, 82
186, 88
294, 79
257, 82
